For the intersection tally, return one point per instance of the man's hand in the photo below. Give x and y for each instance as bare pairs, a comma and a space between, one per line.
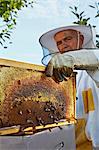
60, 66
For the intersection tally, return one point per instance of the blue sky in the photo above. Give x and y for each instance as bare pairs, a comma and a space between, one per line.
33, 22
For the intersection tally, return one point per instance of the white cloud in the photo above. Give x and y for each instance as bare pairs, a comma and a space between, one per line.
46, 9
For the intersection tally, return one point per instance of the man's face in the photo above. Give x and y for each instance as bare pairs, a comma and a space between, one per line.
68, 40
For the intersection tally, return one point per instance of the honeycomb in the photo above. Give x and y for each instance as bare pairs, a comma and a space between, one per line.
29, 98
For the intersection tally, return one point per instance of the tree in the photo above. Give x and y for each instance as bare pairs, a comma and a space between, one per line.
8, 17
83, 20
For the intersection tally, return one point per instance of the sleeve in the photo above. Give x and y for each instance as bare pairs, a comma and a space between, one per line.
96, 52
95, 74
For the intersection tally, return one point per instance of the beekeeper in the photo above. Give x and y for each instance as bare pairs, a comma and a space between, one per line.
72, 48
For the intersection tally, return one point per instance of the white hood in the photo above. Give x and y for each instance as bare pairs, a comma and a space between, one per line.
49, 45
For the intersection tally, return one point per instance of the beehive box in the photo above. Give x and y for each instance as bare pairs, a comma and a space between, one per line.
29, 98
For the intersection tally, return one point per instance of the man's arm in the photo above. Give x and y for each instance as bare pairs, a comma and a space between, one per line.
62, 65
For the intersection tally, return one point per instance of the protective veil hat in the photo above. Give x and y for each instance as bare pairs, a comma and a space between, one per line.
49, 46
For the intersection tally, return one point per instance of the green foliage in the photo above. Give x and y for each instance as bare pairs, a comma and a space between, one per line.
8, 16
81, 17
83, 20
96, 7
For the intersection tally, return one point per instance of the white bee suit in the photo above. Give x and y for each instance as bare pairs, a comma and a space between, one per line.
87, 107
